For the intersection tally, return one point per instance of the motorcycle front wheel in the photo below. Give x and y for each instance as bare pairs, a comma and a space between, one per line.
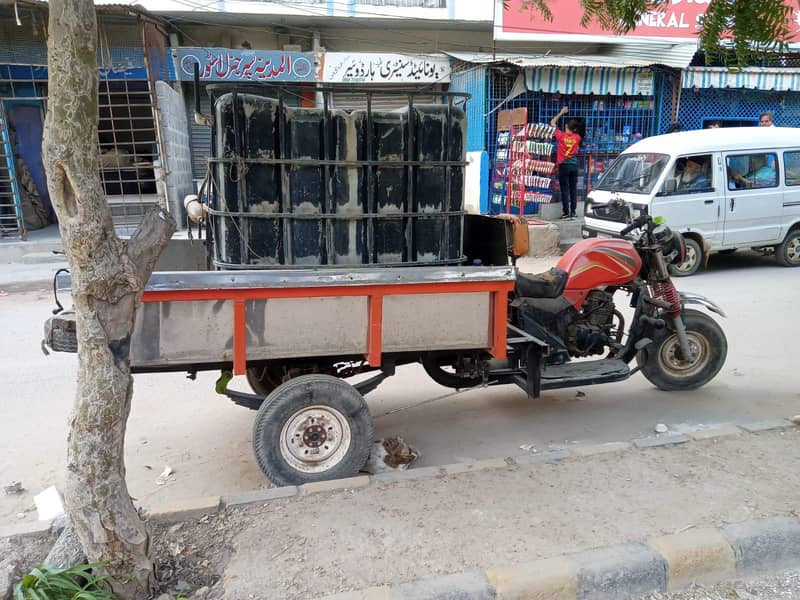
663, 366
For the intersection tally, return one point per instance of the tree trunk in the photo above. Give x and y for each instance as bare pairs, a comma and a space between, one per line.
108, 276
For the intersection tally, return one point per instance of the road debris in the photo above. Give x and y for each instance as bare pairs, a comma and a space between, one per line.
390, 453
49, 503
164, 477
15, 487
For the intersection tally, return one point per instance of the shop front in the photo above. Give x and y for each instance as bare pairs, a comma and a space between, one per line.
131, 150
617, 106
736, 98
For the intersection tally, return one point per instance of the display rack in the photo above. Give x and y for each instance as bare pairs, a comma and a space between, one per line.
523, 165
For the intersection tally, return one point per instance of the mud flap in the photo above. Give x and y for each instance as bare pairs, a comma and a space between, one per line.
534, 371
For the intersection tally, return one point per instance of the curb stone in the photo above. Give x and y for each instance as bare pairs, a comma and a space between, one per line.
766, 544
662, 440
176, 511
766, 425
707, 556
25, 529
210, 505
716, 433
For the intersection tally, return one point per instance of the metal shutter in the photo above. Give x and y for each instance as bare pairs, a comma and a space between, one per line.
383, 101
199, 135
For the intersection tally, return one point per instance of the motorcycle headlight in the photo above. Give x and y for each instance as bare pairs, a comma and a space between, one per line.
672, 243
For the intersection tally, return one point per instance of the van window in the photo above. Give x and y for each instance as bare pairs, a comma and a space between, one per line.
691, 174
791, 164
635, 172
757, 170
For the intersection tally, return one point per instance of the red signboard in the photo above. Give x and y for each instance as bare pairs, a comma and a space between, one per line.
676, 21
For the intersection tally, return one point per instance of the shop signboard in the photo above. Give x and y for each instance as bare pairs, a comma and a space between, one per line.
676, 20
346, 67
243, 66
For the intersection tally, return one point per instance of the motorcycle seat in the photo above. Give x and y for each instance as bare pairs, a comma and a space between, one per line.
550, 284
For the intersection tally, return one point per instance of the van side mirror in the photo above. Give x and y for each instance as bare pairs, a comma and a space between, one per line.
669, 186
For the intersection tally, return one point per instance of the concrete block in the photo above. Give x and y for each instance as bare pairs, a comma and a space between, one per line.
623, 571
716, 433
257, 496
471, 467
33, 528
408, 474
373, 593
549, 579
596, 449
696, 556
543, 240
661, 440
766, 425
543, 457
764, 546
185, 509
462, 586
333, 485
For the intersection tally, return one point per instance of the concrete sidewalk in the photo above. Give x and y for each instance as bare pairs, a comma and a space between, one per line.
440, 532
536, 508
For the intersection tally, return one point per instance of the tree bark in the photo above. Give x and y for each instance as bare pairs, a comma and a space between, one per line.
108, 276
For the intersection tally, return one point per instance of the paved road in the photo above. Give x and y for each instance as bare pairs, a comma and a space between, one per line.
206, 439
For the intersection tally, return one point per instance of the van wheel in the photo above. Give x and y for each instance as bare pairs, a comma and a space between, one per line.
694, 258
788, 252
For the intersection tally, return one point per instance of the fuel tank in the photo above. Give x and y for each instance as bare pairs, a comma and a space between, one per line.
598, 262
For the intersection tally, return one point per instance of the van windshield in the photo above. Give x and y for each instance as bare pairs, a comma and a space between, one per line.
636, 172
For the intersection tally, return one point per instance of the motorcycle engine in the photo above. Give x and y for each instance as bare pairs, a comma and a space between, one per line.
590, 332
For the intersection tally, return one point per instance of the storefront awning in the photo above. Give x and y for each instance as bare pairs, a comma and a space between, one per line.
585, 80
750, 78
618, 56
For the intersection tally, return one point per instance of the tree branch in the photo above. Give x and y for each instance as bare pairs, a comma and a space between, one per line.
148, 242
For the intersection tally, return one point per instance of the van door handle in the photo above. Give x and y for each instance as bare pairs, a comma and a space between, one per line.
733, 202
708, 201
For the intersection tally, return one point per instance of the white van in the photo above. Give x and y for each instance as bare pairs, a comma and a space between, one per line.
723, 189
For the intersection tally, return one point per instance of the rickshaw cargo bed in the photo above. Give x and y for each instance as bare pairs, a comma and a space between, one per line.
224, 317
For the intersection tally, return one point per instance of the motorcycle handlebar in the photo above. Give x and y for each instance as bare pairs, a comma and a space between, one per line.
638, 222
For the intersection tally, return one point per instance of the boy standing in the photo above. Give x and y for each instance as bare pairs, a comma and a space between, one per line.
568, 142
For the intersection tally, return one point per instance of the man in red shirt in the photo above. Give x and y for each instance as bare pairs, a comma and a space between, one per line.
568, 143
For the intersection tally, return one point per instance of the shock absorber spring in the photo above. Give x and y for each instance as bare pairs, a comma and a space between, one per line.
667, 292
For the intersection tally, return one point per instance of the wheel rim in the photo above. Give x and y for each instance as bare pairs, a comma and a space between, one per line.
793, 250
691, 259
669, 355
315, 439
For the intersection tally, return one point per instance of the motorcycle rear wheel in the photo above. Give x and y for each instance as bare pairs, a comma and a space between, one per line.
661, 364
446, 370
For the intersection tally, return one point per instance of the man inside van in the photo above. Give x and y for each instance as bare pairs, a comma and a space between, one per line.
693, 177
762, 174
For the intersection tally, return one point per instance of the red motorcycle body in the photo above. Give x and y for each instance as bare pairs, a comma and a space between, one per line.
595, 263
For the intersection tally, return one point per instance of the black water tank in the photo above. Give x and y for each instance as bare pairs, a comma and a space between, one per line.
307, 188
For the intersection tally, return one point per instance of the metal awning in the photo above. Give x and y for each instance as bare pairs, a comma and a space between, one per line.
756, 78
618, 56
590, 80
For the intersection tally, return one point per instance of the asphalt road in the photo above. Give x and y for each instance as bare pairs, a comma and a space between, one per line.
205, 439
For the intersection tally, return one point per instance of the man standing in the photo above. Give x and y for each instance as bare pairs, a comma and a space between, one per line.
767, 119
568, 143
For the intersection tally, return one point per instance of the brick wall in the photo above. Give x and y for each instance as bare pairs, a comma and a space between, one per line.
177, 153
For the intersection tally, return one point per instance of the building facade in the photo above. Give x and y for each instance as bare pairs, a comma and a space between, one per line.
515, 66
